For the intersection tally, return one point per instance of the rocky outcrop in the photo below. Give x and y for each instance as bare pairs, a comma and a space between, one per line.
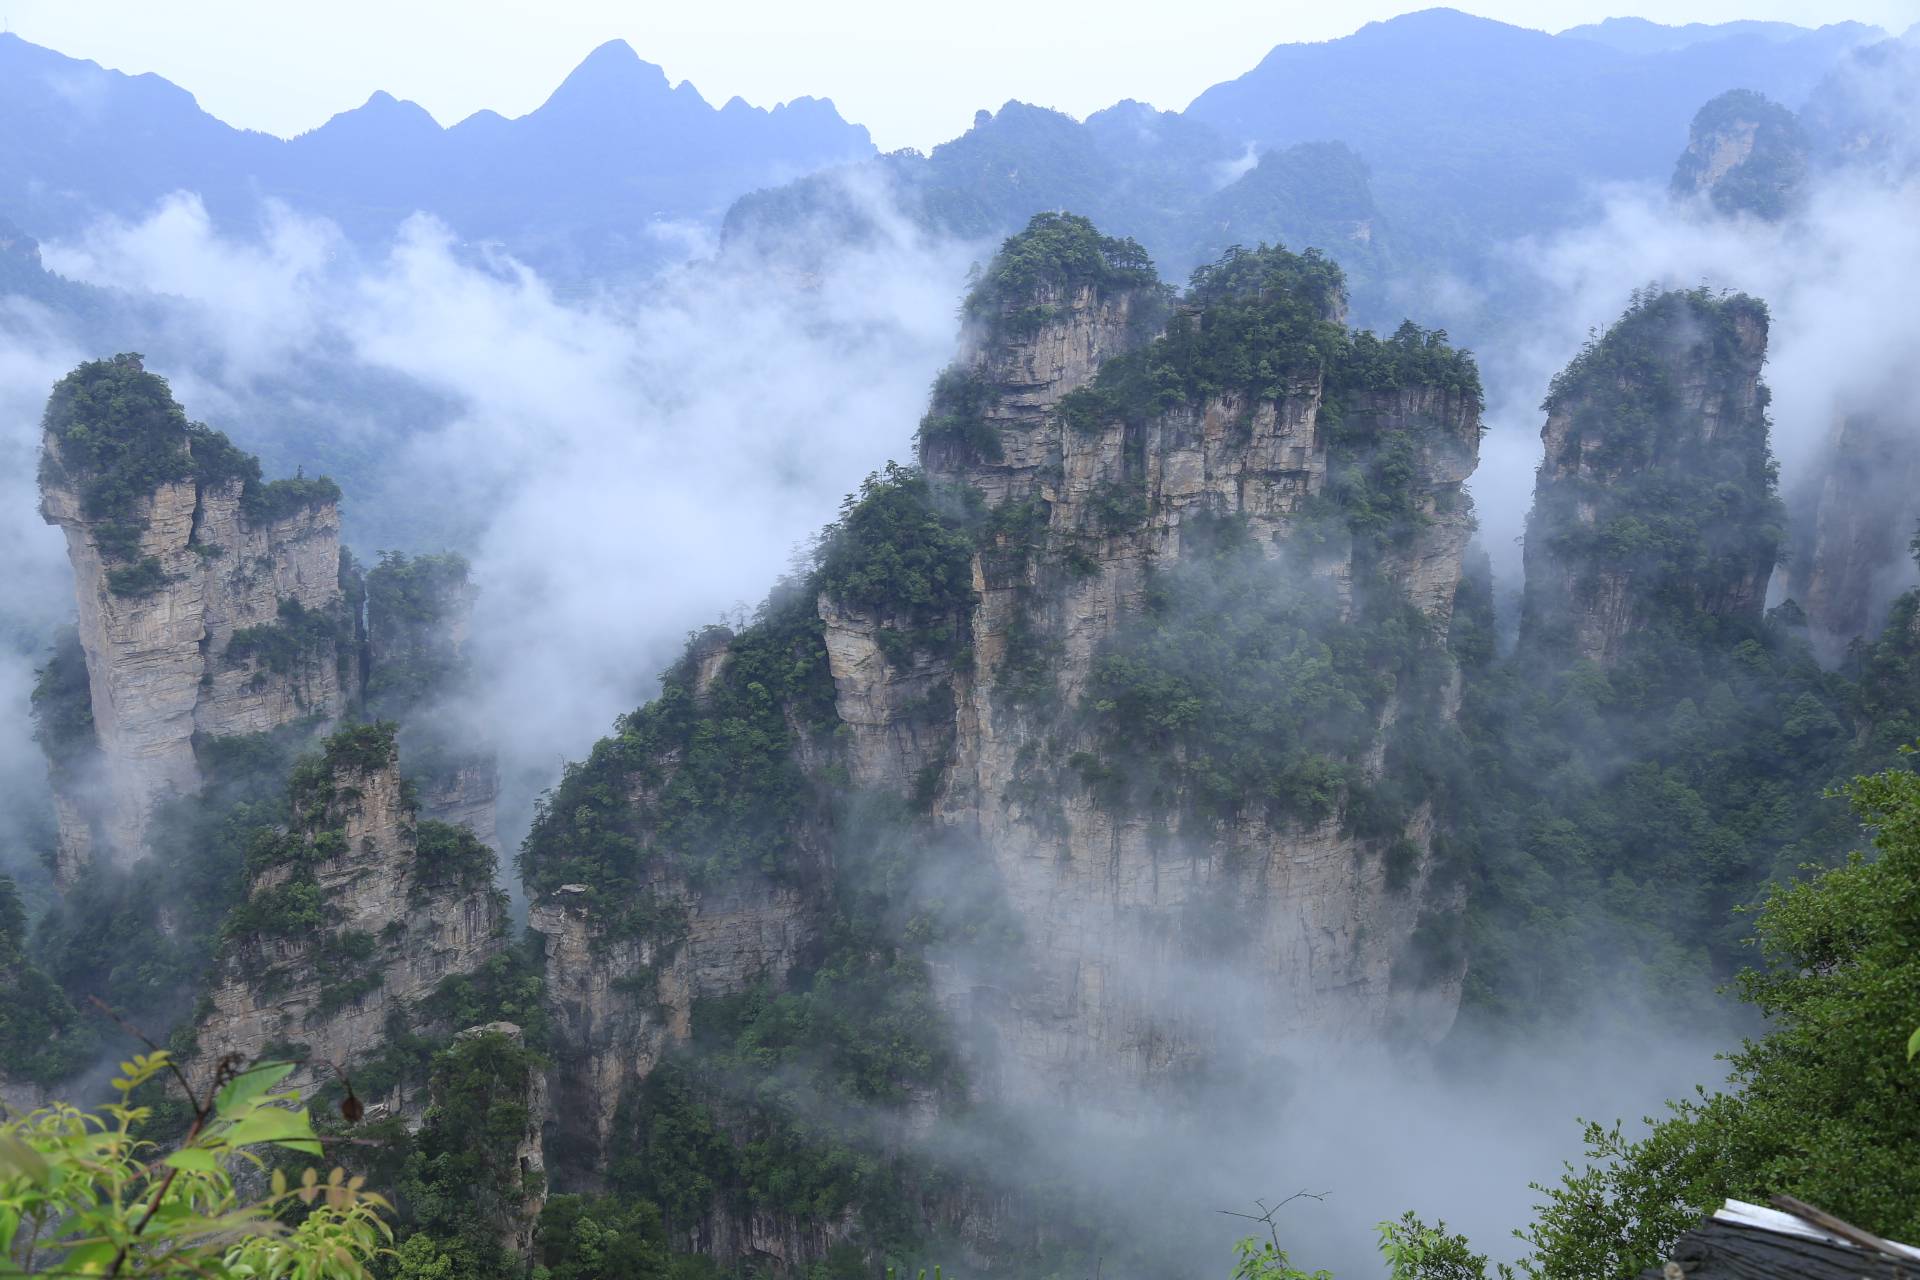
419, 623
209, 603
464, 791
524, 1163
1655, 501
622, 981
1853, 524
348, 921
1745, 154
1121, 912
908, 759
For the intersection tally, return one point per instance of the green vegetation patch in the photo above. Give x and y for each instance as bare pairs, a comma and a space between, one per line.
1242, 686
897, 554
294, 642
63, 709
43, 1038
118, 435
1057, 253
956, 415
710, 783
414, 605
1822, 1106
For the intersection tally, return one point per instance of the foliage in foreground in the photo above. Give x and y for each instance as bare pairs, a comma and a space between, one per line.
82, 1193
1824, 1107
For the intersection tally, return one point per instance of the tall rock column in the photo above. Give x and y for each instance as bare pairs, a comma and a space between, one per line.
419, 625
1854, 522
209, 602
357, 913
1655, 502
1111, 479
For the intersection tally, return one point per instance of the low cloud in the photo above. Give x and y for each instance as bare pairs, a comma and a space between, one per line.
620, 468
1836, 277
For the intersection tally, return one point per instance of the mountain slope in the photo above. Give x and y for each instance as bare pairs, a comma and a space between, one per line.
572, 184
1478, 129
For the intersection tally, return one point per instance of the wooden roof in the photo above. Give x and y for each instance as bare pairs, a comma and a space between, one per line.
1744, 1241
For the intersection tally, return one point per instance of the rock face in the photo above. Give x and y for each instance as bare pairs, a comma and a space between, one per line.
209, 604
1853, 525
1112, 904
1745, 154
1655, 500
419, 623
621, 998
525, 1160
347, 922
940, 666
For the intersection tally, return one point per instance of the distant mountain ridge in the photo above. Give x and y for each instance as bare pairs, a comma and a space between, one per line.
1414, 152
1495, 130
575, 182
1639, 35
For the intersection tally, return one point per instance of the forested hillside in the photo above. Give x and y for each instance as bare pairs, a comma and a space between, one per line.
1192, 788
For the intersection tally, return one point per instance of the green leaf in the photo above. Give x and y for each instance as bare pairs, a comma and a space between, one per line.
18, 1160
271, 1124
92, 1258
194, 1159
250, 1085
1913, 1044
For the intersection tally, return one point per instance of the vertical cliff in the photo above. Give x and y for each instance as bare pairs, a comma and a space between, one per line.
209, 601
1253, 481
1138, 682
354, 915
419, 620
43, 1040
1655, 505
1852, 526
1745, 154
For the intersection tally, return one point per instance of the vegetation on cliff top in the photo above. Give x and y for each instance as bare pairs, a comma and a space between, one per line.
118, 435
1260, 323
1687, 517
1767, 181
707, 782
414, 608
1057, 253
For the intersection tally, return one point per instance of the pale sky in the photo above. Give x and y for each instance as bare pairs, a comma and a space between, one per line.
912, 73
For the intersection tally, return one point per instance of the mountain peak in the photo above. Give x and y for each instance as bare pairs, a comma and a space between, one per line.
612, 70
381, 114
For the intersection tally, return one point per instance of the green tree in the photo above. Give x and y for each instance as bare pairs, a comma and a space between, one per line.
82, 1193
1822, 1107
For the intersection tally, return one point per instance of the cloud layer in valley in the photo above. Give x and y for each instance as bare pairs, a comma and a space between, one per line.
1835, 276
620, 468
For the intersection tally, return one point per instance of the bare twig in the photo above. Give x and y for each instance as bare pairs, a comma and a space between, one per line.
1266, 1214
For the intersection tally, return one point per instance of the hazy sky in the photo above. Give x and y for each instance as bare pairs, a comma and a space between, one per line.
911, 77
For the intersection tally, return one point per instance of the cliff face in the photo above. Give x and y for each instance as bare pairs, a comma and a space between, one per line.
1113, 902
357, 914
1851, 557
419, 622
989, 654
1745, 154
209, 604
622, 998
1654, 503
